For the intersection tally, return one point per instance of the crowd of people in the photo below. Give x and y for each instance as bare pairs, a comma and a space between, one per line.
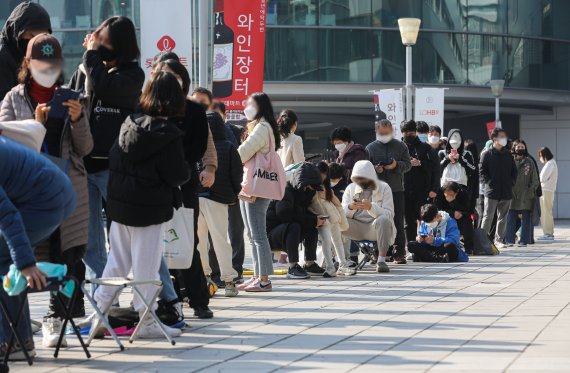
139, 151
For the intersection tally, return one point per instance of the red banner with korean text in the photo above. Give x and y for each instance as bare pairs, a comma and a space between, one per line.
239, 47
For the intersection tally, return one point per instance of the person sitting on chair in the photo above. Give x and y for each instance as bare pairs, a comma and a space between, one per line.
369, 209
438, 238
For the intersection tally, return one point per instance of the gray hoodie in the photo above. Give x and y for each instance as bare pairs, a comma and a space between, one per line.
395, 149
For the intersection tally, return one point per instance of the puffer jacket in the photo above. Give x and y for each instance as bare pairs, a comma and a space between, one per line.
76, 143
524, 191
146, 167
26, 16
258, 140
320, 206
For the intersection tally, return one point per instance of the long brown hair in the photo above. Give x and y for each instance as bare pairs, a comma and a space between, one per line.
324, 169
162, 96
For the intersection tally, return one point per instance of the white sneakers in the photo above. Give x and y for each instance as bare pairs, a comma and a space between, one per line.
51, 329
151, 330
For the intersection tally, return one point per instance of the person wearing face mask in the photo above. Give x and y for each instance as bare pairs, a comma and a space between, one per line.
369, 209
233, 132
437, 239
524, 190
457, 163
454, 200
26, 21
290, 222
67, 141
338, 184
346, 152
291, 150
499, 173
391, 160
434, 137
111, 80
421, 182
548, 181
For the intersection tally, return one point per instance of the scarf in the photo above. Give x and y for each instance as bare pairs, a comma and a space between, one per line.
343, 153
40, 94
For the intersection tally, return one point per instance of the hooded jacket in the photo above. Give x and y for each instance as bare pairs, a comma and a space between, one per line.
397, 150
499, 173
445, 232
146, 168
229, 173
382, 201
26, 16
294, 207
524, 190
465, 159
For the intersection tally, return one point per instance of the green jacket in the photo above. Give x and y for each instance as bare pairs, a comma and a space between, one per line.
524, 190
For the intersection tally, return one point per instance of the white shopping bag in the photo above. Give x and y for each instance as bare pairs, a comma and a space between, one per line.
178, 239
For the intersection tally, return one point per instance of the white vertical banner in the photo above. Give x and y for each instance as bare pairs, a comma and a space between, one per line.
165, 26
429, 106
390, 102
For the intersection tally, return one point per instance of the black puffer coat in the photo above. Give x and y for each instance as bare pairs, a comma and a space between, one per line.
229, 173
26, 16
293, 208
146, 168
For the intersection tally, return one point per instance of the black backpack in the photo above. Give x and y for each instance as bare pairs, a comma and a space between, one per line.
482, 245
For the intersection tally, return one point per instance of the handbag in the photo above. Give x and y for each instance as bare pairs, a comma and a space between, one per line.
264, 175
178, 239
26, 132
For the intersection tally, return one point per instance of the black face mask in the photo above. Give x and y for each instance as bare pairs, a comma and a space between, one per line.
23, 46
107, 54
309, 193
409, 139
520, 152
364, 184
206, 107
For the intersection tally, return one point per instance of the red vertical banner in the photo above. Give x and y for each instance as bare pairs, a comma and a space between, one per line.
490, 127
239, 51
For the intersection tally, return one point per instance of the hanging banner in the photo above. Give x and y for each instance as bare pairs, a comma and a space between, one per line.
389, 102
165, 28
239, 51
429, 106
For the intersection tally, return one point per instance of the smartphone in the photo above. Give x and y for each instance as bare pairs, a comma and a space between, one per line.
61, 95
454, 152
323, 217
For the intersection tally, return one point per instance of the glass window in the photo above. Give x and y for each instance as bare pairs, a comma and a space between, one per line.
387, 12
344, 55
486, 59
389, 57
72, 49
103, 9
488, 16
345, 13
68, 13
292, 12
442, 58
6, 7
555, 18
444, 15
291, 54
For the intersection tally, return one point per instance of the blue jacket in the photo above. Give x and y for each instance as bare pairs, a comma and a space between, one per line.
32, 183
451, 236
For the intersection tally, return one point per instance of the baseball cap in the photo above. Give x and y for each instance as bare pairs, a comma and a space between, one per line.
45, 50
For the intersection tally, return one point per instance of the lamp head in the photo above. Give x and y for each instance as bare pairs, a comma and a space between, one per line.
409, 29
497, 86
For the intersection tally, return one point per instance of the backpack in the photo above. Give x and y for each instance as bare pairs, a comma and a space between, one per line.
482, 245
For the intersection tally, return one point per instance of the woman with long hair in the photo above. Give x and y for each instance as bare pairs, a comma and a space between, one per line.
291, 150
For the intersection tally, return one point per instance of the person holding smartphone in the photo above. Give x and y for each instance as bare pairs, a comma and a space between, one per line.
67, 141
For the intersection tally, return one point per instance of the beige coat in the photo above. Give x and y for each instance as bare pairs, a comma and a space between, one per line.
291, 150
257, 141
320, 206
76, 142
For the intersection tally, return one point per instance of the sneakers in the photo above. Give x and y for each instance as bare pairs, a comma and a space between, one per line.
545, 237
351, 263
297, 273
444, 258
400, 256
382, 267
346, 271
259, 287
231, 289
51, 329
500, 245
314, 269
239, 280
247, 283
170, 313
16, 353
151, 330
203, 312
329, 275
522, 244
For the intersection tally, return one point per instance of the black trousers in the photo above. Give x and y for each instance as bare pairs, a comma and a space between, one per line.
413, 204
236, 234
289, 236
465, 226
425, 253
399, 211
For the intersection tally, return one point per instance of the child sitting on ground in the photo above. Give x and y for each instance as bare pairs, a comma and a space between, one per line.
438, 238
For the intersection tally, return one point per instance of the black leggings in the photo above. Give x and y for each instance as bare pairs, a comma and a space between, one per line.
425, 253
290, 239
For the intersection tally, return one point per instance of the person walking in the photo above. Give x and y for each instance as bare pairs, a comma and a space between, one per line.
291, 151
499, 174
548, 181
391, 160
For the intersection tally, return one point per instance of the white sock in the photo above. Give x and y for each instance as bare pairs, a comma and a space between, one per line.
381, 259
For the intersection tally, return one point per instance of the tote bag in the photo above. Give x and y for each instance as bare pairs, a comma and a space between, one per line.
264, 175
178, 239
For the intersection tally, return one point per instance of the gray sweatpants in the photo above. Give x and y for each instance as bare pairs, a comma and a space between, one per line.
379, 230
501, 208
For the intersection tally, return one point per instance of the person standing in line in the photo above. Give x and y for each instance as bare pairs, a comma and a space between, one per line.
548, 181
524, 192
111, 80
499, 173
263, 132
473, 179
391, 160
346, 152
26, 21
291, 151
423, 132
434, 137
204, 97
231, 129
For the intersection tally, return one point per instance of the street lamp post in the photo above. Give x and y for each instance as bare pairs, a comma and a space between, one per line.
409, 28
497, 86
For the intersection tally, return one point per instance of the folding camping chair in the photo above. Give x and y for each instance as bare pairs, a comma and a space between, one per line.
120, 284
369, 249
54, 285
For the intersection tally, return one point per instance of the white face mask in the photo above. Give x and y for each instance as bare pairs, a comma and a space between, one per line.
250, 112
384, 139
45, 78
455, 144
433, 139
503, 141
432, 225
340, 147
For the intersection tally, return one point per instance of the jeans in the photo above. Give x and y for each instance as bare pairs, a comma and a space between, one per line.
254, 216
501, 208
526, 226
96, 254
168, 293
